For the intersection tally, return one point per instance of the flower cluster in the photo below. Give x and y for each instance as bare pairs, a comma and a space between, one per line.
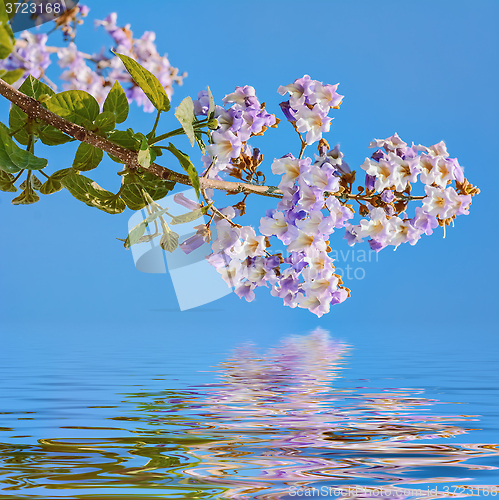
309, 105
95, 73
390, 173
315, 198
30, 54
242, 117
144, 51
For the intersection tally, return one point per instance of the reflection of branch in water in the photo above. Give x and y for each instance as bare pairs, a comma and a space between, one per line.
289, 426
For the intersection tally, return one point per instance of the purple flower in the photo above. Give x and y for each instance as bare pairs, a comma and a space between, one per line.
379, 154
387, 196
202, 103
423, 221
376, 245
289, 113
369, 182
192, 243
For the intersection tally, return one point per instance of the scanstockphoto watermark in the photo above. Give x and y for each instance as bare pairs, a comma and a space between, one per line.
393, 493
195, 281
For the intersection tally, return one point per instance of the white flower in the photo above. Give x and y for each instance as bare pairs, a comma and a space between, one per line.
377, 226
437, 202
385, 172
404, 171
252, 245
314, 304
325, 96
231, 273
290, 169
427, 167
390, 144
323, 178
312, 121
310, 225
444, 172
227, 237
226, 145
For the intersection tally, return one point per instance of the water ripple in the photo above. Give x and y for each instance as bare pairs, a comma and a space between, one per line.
272, 421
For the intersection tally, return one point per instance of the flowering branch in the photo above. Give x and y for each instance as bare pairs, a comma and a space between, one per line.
35, 110
313, 193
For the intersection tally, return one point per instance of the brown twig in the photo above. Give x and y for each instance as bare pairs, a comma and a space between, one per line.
36, 111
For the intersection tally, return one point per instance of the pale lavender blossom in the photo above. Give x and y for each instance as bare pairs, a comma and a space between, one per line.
202, 103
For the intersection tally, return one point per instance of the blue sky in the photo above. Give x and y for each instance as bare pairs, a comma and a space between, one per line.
426, 70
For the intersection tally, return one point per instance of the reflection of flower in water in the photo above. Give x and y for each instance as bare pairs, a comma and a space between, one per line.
275, 420
281, 423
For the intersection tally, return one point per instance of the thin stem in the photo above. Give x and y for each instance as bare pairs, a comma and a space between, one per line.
30, 143
12, 134
302, 150
43, 173
217, 212
177, 131
303, 143
17, 176
205, 175
210, 221
153, 131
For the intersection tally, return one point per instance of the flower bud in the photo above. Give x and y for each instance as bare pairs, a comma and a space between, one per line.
213, 124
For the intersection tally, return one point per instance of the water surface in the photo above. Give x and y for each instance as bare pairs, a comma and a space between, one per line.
240, 420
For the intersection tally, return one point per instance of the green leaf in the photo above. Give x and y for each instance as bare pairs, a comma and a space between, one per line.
6, 35
190, 216
136, 233
77, 106
60, 174
27, 197
132, 195
144, 157
7, 182
201, 144
185, 115
155, 187
104, 123
32, 88
211, 108
125, 139
13, 158
87, 157
135, 184
169, 240
53, 183
11, 76
187, 165
157, 151
51, 136
50, 186
147, 82
86, 190
117, 103
34, 182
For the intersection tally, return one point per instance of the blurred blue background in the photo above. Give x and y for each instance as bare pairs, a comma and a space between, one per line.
426, 70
